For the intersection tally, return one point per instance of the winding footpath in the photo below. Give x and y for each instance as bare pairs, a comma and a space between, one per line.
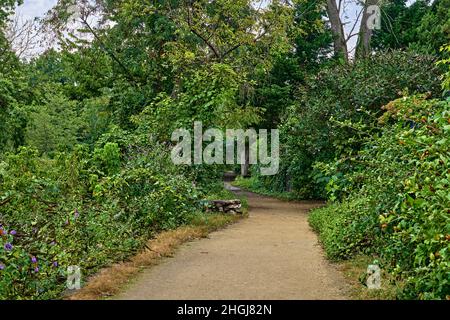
271, 255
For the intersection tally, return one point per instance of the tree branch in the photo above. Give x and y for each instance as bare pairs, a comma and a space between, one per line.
108, 51
191, 28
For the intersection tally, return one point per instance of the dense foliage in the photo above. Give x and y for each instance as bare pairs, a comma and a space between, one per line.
85, 171
313, 130
83, 208
398, 203
423, 25
85, 130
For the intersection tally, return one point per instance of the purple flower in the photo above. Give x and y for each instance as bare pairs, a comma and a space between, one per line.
67, 222
55, 264
8, 246
53, 243
76, 213
36, 270
13, 232
33, 259
2, 266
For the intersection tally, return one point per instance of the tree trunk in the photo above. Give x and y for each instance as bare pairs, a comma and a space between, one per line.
340, 45
246, 165
288, 186
366, 29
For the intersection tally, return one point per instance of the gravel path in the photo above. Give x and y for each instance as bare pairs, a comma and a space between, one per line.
271, 255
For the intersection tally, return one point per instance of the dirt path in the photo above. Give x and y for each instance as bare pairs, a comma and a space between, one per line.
271, 255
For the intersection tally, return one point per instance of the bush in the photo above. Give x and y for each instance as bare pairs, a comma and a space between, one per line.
399, 204
82, 208
312, 130
54, 125
346, 229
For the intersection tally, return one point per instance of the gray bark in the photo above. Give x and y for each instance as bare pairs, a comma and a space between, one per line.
363, 48
340, 45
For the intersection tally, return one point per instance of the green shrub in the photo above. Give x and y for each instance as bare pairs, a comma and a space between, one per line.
54, 125
316, 128
82, 208
398, 207
345, 228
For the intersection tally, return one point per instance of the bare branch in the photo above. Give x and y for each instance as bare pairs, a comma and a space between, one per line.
23, 35
350, 34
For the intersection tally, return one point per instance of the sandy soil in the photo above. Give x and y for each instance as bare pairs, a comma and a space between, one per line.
271, 255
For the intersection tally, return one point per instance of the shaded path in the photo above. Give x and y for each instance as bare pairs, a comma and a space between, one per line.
271, 255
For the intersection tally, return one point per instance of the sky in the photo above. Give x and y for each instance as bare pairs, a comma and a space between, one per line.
35, 8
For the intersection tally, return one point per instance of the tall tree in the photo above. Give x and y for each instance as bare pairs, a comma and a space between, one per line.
340, 43
370, 9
